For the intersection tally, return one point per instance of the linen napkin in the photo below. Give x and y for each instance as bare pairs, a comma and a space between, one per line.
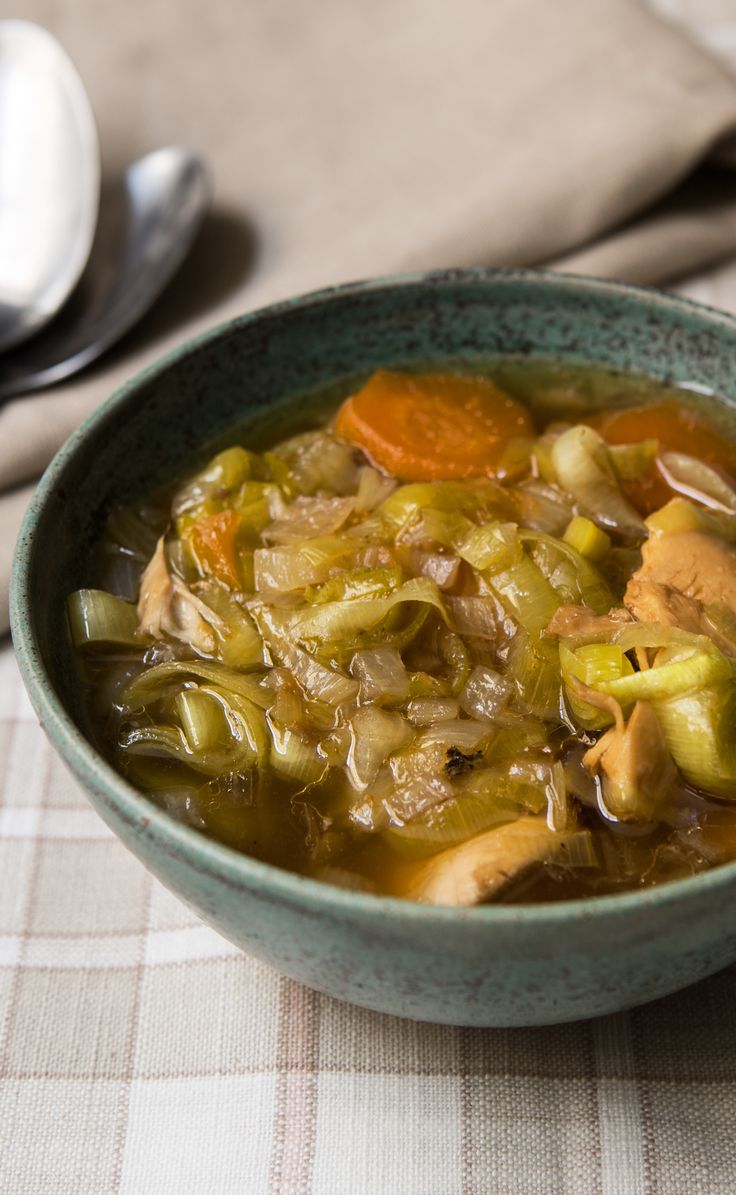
589, 136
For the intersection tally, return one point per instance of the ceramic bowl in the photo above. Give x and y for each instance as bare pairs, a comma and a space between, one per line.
514, 965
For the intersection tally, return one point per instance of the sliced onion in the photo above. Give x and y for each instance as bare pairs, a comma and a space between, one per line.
485, 694
465, 734
373, 489
426, 711
441, 569
381, 673
476, 616
285, 569
693, 478
375, 735
308, 518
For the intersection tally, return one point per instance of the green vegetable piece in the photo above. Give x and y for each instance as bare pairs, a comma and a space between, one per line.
587, 539
100, 620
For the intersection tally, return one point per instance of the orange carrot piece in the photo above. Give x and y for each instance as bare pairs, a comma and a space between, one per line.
432, 426
678, 429
212, 540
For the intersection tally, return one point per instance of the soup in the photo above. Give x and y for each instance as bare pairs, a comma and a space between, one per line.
470, 639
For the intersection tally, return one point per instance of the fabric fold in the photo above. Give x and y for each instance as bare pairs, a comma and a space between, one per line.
593, 138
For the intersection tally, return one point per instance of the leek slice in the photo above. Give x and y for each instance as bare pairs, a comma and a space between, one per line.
99, 619
375, 735
596, 665
282, 570
580, 582
356, 583
526, 594
700, 732
534, 668
583, 467
687, 671
245, 747
152, 684
344, 620
201, 719
238, 643
493, 546
449, 497
448, 824
210, 489
290, 756
318, 682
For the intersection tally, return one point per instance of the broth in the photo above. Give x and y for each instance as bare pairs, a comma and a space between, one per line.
455, 645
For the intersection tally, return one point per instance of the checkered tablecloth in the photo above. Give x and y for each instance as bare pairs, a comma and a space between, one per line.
140, 1053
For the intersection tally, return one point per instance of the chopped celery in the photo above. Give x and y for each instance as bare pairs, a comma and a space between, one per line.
586, 538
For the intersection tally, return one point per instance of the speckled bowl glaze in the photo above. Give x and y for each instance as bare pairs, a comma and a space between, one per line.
487, 966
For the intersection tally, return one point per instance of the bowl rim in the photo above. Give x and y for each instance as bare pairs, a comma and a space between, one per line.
210, 857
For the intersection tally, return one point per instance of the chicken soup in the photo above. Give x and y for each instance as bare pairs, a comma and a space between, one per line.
470, 639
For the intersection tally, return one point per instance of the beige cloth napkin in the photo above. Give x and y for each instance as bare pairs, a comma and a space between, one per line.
347, 140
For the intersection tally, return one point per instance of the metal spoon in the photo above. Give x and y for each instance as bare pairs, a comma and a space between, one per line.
145, 230
50, 179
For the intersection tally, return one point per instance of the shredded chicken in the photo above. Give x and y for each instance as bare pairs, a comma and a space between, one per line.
476, 870
697, 564
579, 622
166, 606
635, 765
652, 601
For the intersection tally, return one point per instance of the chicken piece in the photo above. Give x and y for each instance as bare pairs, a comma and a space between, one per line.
697, 564
578, 622
635, 765
166, 606
476, 870
651, 601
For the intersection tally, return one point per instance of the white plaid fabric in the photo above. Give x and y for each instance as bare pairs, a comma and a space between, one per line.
141, 1053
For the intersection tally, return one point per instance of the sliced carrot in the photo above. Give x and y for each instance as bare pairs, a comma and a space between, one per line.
432, 426
678, 429
212, 540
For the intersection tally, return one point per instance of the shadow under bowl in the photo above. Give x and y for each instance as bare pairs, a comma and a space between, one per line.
500, 966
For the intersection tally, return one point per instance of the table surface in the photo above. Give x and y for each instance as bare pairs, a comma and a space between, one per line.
141, 1053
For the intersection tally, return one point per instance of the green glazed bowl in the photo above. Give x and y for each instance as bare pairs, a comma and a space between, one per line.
514, 965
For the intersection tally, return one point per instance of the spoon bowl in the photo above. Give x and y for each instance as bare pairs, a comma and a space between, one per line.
147, 225
49, 179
